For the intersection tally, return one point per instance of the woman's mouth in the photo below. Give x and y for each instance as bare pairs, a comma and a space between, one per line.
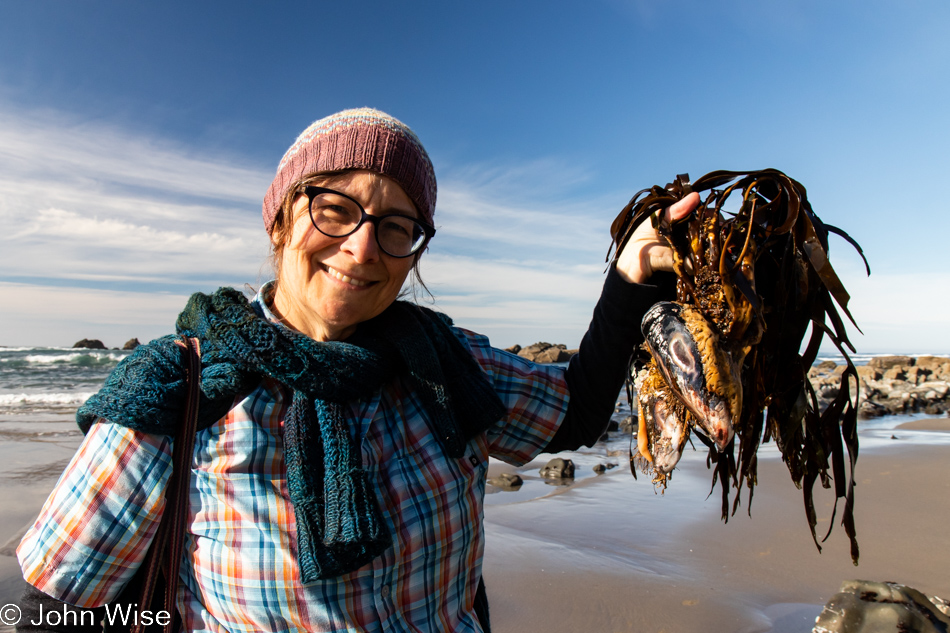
345, 278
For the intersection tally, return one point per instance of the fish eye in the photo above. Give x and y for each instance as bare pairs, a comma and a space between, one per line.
680, 353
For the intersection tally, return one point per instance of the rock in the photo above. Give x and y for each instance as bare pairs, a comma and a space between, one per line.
931, 362
600, 468
558, 468
628, 425
132, 343
546, 353
895, 372
938, 389
553, 355
882, 607
825, 366
87, 343
886, 362
870, 409
916, 374
868, 373
514, 349
508, 481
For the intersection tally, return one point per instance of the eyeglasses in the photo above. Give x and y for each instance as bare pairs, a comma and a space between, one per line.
336, 214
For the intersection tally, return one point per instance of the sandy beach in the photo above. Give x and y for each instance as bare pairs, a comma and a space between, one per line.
609, 554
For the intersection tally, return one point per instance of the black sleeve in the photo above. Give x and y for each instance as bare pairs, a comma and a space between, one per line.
65, 617
596, 373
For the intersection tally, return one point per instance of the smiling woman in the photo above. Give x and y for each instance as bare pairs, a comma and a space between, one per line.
338, 474
326, 285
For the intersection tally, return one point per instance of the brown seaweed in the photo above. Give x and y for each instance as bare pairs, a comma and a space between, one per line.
761, 275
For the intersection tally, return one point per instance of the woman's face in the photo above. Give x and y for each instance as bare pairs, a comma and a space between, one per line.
328, 285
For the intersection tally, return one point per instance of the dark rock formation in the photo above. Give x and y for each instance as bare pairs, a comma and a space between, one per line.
88, 343
132, 343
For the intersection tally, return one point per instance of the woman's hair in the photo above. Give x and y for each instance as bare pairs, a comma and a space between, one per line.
282, 228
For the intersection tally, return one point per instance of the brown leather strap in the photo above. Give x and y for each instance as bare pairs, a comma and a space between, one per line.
170, 536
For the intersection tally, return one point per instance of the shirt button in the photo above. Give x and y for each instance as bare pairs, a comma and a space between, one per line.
384, 592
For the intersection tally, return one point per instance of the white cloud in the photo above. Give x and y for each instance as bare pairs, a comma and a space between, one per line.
61, 149
82, 201
519, 254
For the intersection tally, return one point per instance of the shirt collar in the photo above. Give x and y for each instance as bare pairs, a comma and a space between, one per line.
263, 300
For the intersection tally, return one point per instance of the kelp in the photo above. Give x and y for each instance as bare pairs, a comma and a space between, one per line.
761, 275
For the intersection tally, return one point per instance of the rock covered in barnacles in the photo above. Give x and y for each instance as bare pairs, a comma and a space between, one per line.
882, 607
686, 349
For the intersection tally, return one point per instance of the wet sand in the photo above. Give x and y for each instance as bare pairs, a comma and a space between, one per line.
608, 554
34, 450
930, 424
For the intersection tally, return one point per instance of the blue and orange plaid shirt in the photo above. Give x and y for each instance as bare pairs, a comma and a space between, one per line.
239, 571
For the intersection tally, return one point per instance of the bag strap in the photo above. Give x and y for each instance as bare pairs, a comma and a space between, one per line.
171, 530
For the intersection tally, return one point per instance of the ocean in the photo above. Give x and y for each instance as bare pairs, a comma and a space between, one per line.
48, 383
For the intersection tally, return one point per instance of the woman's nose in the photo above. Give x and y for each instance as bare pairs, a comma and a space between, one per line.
362, 245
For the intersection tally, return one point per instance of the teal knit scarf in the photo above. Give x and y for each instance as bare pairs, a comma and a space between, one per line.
339, 523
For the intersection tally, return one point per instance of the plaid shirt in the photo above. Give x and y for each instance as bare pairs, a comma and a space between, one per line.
239, 570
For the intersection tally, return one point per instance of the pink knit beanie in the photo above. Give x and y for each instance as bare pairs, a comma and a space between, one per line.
362, 138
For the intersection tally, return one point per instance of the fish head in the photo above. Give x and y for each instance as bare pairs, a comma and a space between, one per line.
686, 349
663, 427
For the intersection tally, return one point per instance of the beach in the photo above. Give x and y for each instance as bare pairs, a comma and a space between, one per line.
609, 554
601, 553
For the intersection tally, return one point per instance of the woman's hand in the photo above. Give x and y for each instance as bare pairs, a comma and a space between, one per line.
646, 252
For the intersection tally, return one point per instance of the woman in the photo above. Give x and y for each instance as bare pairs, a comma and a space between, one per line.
339, 467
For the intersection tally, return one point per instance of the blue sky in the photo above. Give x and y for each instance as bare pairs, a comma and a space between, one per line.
137, 140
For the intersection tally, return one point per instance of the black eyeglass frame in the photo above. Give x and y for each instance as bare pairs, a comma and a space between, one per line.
312, 191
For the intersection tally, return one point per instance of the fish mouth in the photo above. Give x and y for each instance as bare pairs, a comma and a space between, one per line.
685, 347
668, 449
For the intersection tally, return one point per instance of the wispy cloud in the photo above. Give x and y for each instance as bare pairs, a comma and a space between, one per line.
112, 215
106, 231
86, 201
58, 148
520, 250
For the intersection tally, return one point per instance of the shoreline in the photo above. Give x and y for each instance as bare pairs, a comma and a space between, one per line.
614, 556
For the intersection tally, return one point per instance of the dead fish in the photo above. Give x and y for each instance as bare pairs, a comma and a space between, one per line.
686, 349
663, 430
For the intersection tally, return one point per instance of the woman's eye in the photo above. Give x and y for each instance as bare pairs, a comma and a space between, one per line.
397, 228
334, 212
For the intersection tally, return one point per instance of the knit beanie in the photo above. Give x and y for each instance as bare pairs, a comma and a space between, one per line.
362, 138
